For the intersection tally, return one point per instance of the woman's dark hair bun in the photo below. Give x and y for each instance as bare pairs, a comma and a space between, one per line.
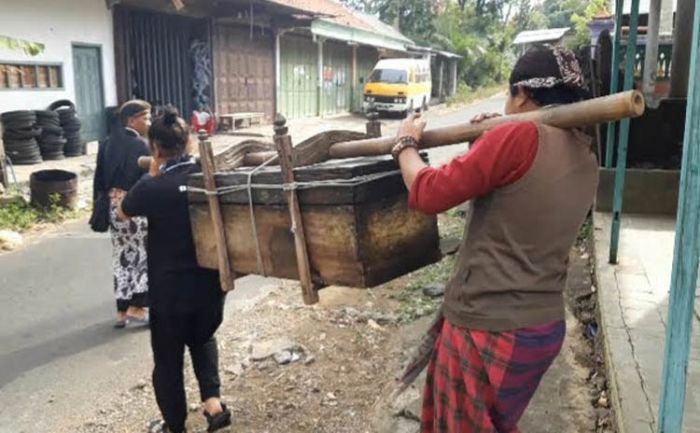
170, 115
169, 131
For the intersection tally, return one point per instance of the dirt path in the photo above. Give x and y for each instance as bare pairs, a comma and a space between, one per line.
291, 368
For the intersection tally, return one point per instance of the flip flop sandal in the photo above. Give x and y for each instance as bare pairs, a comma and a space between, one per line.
159, 426
120, 324
138, 320
218, 421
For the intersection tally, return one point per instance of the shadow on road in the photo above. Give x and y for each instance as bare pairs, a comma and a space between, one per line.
16, 363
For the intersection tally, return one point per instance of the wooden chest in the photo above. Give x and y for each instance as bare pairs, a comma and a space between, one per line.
359, 230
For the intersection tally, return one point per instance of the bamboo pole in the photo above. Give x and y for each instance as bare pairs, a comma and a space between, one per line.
579, 114
586, 113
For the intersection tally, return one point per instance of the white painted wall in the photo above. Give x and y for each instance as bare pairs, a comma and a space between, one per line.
57, 24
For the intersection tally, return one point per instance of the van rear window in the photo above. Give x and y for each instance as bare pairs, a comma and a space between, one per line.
388, 76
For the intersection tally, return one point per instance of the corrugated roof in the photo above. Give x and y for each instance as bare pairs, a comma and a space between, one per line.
543, 35
357, 27
382, 27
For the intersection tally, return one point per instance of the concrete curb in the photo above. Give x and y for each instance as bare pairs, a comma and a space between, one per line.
630, 416
609, 366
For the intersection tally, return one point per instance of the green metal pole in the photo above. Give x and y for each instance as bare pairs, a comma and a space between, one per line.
623, 139
614, 73
685, 258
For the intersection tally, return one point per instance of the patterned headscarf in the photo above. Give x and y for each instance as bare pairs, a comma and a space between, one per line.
547, 66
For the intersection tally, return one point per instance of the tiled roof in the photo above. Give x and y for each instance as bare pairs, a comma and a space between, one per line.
330, 10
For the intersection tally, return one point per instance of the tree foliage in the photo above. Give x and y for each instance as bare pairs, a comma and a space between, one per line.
481, 31
29, 47
415, 18
595, 8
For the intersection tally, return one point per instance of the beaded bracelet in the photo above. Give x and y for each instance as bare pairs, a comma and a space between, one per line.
403, 144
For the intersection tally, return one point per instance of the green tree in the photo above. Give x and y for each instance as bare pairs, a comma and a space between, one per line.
480, 37
30, 48
367, 6
559, 12
580, 21
414, 18
529, 17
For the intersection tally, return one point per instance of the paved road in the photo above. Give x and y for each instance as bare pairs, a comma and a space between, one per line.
58, 351
441, 118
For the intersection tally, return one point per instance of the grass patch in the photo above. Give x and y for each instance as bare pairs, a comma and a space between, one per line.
585, 233
18, 215
466, 94
413, 303
451, 224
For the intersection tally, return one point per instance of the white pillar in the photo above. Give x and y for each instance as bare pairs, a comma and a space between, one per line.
278, 71
355, 104
442, 64
454, 76
319, 84
652, 47
666, 25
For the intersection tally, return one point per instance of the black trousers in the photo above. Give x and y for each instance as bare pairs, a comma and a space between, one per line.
170, 333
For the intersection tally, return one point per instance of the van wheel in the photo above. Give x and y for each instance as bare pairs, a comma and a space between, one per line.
424, 105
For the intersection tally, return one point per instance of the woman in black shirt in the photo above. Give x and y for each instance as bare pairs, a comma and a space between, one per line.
186, 300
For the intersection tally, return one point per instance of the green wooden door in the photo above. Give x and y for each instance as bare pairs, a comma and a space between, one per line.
89, 100
337, 78
299, 77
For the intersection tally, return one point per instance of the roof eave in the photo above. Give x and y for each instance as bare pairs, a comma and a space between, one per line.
330, 30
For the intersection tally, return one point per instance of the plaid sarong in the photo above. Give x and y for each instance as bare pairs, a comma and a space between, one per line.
481, 382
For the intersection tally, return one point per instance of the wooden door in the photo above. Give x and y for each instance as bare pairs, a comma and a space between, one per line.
244, 70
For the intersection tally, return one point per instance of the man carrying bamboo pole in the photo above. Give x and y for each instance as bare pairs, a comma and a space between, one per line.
532, 186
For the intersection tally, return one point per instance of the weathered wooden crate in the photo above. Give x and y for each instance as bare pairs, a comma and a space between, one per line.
359, 230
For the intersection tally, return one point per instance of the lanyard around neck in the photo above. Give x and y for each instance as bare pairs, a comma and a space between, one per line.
164, 169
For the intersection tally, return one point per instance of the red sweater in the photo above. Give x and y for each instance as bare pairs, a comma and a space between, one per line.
499, 158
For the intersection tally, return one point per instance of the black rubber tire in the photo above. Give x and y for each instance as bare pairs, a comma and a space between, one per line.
17, 116
21, 134
53, 141
70, 125
51, 130
26, 161
61, 103
18, 124
19, 144
46, 114
23, 154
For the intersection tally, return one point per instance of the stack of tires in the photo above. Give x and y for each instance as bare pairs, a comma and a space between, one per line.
71, 127
51, 141
20, 134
